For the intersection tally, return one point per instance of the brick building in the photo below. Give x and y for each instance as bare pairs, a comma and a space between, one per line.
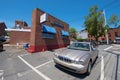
113, 33
46, 32
20, 34
19, 24
2, 29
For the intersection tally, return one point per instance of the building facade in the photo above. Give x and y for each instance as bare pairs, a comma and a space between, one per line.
19, 24
83, 34
113, 34
2, 29
46, 32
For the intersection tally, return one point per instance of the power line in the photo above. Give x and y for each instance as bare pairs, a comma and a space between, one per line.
114, 4
110, 4
115, 7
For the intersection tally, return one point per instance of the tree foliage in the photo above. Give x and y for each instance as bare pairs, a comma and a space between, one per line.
80, 39
72, 33
72, 30
94, 23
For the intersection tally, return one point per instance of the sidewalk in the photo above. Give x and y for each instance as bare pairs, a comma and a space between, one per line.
115, 44
9, 45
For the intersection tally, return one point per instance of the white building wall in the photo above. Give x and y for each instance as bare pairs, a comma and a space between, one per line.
82, 34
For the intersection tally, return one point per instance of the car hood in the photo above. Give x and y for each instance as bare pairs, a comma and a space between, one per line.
73, 54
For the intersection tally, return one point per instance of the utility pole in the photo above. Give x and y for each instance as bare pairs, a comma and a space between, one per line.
105, 25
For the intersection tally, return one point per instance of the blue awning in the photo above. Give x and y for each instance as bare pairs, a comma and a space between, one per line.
65, 33
48, 29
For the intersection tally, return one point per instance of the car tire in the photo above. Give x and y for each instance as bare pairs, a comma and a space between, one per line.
97, 56
89, 68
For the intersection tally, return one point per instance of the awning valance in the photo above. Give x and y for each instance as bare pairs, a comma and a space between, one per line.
65, 33
48, 29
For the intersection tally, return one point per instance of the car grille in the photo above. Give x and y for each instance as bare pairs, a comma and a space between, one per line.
65, 59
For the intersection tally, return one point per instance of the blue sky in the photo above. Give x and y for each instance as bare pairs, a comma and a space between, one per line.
70, 11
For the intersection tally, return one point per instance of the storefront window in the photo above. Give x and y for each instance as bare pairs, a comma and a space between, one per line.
116, 34
65, 37
65, 34
48, 35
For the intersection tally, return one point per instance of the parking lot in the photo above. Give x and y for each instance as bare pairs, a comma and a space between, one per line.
18, 64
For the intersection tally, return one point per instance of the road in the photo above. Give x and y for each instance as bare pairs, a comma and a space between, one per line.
18, 64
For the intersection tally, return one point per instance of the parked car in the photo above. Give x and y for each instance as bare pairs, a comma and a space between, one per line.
2, 39
103, 42
78, 57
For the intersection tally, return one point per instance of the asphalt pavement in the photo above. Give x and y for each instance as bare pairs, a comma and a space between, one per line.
18, 64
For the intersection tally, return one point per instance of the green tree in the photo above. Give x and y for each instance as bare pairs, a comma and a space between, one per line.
94, 23
114, 20
72, 33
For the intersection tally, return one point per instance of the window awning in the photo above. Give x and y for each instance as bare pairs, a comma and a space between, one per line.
65, 33
48, 29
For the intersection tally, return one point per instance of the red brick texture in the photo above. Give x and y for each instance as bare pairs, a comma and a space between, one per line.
37, 42
2, 29
111, 34
19, 37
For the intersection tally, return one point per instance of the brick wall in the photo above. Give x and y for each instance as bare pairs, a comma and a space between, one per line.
19, 24
19, 37
37, 42
2, 29
111, 34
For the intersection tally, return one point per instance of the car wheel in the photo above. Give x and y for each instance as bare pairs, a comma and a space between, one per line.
89, 68
97, 56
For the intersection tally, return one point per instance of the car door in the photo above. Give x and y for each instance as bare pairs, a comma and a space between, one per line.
93, 52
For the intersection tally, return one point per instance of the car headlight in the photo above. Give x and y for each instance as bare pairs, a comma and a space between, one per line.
79, 62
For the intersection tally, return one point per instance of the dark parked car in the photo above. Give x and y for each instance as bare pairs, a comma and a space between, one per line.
78, 57
2, 39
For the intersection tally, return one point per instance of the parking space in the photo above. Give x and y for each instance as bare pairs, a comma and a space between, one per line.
38, 58
114, 53
18, 64
43, 66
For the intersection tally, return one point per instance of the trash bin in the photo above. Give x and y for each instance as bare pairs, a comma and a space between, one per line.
26, 45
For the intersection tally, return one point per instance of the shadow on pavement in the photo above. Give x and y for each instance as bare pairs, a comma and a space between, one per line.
2, 50
81, 76
118, 55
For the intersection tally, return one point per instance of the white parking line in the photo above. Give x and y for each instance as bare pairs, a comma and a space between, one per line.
24, 73
108, 48
25, 54
34, 69
116, 52
102, 69
44, 64
1, 74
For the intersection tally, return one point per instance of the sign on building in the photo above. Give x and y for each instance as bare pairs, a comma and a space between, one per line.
44, 18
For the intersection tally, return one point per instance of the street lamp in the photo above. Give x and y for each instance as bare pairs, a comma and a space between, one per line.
106, 31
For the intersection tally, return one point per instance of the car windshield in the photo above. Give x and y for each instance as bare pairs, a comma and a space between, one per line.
80, 46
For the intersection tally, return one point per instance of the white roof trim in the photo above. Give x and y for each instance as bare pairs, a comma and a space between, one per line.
23, 30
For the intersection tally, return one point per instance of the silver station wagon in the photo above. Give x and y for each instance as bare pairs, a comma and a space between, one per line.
78, 57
